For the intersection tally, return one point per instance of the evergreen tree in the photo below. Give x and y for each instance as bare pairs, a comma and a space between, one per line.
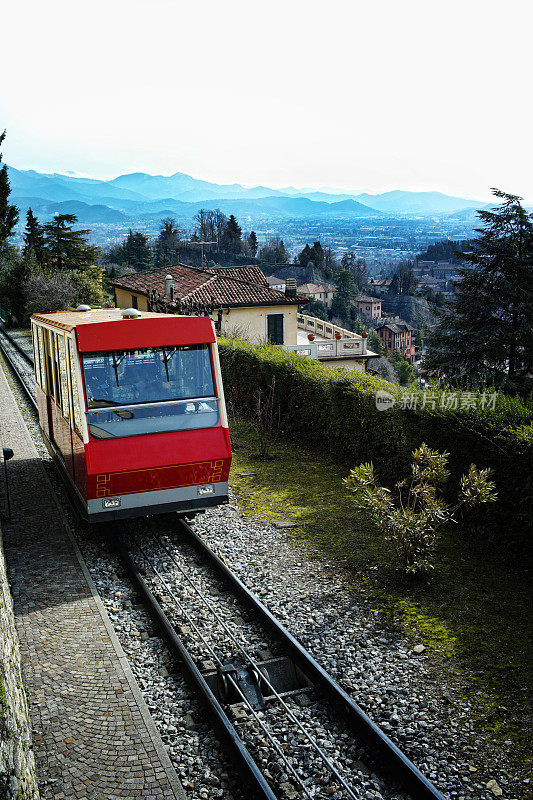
17, 270
394, 287
34, 238
330, 263
137, 252
486, 333
274, 252
67, 248
404, 281
374, 342
342, 304
9, 214
317, 255
404, 370
316, 308
252, 244
167, 243
350, 262
232, 236
305, 256
314, 254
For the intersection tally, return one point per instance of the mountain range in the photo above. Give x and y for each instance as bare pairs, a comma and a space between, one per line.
142, 196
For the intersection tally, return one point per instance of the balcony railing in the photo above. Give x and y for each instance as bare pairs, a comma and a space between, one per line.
322, 328
336, 348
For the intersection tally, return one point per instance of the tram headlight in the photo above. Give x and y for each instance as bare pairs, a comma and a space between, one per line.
111, 502
201, 491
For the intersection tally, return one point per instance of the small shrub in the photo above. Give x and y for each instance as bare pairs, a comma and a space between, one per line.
413, 522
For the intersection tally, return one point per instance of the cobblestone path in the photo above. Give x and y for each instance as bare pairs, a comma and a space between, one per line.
93, 735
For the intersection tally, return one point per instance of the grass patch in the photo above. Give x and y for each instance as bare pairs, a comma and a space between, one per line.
472, 614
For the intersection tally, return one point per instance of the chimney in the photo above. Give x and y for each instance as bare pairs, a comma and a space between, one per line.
290, 287
168, 283
171, 292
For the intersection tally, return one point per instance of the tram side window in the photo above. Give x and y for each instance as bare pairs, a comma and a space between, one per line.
55, 368
62, 361
36, 358
76, 409
42, 361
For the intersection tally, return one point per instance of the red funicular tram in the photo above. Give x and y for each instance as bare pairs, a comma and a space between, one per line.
132, 405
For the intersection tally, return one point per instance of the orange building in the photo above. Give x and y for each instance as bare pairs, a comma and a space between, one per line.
398, 335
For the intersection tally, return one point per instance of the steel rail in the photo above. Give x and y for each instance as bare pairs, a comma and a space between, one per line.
259, 787
368, 732
255, 665
14, 367
182, 611
17, 346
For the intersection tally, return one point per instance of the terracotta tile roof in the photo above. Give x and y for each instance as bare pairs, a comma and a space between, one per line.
314, 288
226, 286
251, 273
185, 278
363, 298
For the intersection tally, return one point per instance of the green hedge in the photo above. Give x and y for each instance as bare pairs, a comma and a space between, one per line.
335, 410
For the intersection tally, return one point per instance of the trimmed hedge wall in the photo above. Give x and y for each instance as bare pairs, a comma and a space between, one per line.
335, 410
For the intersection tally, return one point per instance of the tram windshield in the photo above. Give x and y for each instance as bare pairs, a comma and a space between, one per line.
121, 387
152, 375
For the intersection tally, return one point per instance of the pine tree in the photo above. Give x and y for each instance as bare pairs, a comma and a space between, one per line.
66, 248
486, 333
9, 214
231, 240
34, 239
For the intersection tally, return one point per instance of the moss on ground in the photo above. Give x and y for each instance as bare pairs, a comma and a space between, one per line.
472, 613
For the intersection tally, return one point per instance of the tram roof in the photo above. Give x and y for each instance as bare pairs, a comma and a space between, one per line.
106, 329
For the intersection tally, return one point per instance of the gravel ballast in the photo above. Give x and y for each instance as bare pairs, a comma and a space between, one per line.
393, 681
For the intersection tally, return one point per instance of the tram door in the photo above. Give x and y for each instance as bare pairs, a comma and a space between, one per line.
58, 399
47, 344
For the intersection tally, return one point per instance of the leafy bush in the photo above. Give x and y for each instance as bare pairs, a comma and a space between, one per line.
335, 411
412, 523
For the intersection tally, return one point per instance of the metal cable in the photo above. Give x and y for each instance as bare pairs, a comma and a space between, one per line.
255, 665
238, 689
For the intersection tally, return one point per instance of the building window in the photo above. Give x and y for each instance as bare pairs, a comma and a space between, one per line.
134, 301
275, 328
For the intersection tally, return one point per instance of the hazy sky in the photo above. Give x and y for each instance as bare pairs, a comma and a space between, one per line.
365, 96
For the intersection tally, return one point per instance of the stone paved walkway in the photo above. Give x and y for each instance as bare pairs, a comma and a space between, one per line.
93, 735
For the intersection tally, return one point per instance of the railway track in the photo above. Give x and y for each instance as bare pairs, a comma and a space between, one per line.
262, 689
20, 362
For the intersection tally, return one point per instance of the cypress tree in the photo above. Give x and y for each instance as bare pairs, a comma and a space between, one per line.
34, 239
9, 214
252, 244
